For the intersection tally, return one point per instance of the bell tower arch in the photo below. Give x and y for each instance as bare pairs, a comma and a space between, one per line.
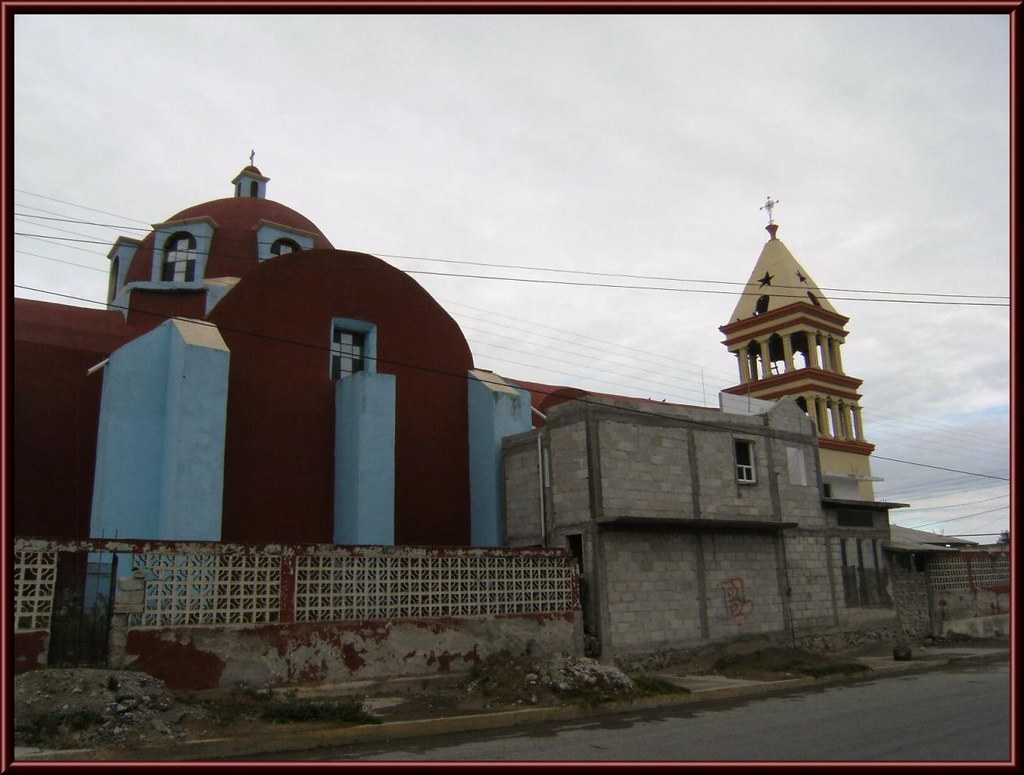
788, 340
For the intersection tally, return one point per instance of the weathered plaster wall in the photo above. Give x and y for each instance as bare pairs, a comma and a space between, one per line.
275, 655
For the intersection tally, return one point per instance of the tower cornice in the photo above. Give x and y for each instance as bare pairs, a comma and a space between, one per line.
792, 314
816, 380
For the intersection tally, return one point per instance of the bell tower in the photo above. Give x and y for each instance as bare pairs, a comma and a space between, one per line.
788, 339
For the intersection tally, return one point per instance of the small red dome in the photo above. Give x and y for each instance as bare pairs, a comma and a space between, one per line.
233, 249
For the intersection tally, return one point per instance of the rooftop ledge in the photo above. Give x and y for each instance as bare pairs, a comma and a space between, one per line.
863, 504
694, 524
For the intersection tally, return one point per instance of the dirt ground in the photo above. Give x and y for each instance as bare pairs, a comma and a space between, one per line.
98, 708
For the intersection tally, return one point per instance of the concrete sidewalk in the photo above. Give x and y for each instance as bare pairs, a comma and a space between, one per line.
306, 736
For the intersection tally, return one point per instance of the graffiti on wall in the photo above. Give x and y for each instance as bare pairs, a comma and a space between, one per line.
736, 604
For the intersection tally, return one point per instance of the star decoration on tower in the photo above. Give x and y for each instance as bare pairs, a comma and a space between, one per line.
766, 280
801, 278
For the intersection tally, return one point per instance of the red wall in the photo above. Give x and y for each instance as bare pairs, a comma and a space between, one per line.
279, 446
56, 414
279, 458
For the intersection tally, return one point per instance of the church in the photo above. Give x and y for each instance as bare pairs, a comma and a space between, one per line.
248, 382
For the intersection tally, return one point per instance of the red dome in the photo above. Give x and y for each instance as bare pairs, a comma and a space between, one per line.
233, 249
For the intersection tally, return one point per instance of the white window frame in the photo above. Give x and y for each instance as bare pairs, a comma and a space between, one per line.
746, 472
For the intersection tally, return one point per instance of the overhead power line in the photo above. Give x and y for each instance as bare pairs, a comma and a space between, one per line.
570, 283
941, 468
632, 410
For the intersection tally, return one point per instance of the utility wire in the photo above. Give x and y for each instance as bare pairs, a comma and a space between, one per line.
632, 410
618, 286
589, 273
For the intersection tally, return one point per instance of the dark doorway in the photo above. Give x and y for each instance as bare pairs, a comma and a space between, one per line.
82, 606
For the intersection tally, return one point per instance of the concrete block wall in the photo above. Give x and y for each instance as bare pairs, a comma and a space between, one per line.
522, 491
910, 596
811, 602
651, 595
743, 595
797, 475
645, 470
570, 476
721, 496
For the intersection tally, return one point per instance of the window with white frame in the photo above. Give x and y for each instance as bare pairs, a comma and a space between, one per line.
179, 258
746, 472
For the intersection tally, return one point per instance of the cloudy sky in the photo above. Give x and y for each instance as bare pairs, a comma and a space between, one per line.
511, 161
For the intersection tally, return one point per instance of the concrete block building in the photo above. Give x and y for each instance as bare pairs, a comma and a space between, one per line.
693, 525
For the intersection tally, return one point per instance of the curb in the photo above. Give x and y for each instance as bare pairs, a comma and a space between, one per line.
329, 736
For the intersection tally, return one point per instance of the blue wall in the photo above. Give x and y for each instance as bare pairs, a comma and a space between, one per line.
160, 451
364, 459
496, 410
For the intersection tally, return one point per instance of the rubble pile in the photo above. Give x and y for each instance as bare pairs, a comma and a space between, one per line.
82, 707
504, 678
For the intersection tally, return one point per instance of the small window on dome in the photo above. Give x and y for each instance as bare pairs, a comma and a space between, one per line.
179, 258
762, 305
254, 189
284, 245
112, 288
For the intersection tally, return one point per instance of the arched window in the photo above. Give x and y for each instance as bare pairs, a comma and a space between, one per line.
254, 189
284, 245
814, 299
179, 258
762, 305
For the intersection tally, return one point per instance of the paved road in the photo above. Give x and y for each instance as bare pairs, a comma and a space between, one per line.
952, 714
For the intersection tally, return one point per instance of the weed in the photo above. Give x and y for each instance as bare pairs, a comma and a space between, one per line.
46, 728
649, 684
291, 709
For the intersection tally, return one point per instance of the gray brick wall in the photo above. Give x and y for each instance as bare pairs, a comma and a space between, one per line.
522, 491
810, 599
650, 589
742, 574
645, 470
570, 480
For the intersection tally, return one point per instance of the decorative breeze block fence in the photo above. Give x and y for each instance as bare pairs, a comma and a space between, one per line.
35, 579
970, 571
204, 584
